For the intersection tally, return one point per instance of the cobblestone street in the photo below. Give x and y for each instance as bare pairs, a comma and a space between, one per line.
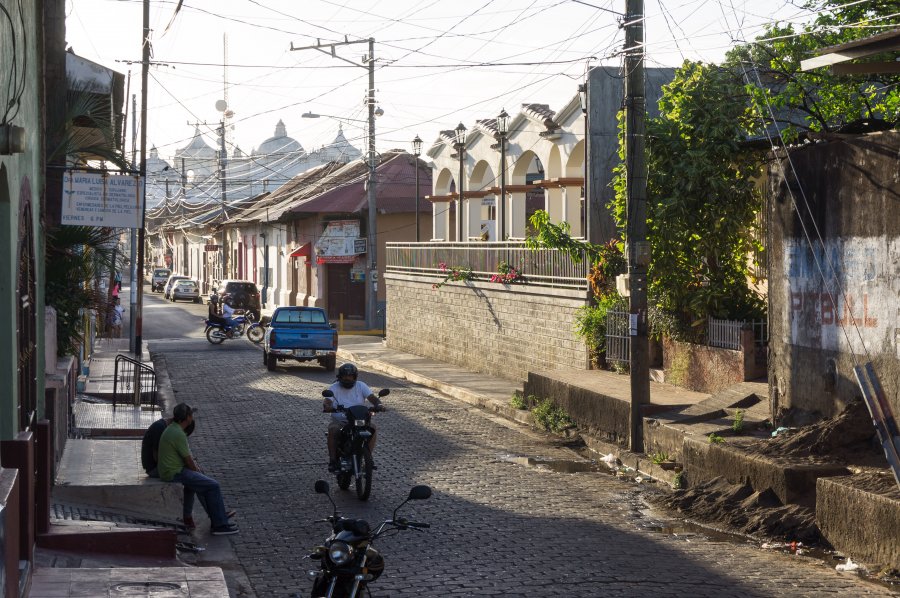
499, 528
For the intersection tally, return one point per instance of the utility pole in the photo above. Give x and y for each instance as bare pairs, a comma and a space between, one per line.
371, 245
136, 276
636, 208
222, 158
145, 66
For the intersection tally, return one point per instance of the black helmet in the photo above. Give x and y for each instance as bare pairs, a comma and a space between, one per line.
345, 371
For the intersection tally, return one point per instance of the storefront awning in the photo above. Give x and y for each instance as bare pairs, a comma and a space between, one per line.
302, 251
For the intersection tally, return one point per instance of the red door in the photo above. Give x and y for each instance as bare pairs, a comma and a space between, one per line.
344, 295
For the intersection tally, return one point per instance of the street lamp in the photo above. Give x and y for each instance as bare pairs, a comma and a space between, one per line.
417, 151
461, 152
585, 208
372, 231
503, 129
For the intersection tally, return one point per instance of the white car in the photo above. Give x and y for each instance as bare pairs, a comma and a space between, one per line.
185, 289
171, 283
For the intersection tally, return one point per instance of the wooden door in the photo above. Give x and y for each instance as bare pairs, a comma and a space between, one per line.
345, 296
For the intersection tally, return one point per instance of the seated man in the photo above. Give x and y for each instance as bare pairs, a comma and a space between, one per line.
150, 461
176, 464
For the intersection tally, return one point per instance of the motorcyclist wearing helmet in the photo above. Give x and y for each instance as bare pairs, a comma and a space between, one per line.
348, 391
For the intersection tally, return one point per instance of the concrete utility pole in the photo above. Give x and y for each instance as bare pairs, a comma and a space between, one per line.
222, 164
136, 275
371, 245
145, 66
636, 187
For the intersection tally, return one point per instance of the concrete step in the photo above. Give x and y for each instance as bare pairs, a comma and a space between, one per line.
108, 475
109, 538
860, 516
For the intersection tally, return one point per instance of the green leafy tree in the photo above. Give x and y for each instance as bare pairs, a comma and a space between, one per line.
702, 202
77, 256
818, 100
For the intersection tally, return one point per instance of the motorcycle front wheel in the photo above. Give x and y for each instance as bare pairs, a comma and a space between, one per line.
256, 333
215, 335
364, 478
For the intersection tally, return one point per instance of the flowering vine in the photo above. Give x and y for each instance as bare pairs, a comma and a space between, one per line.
507, 274
452, 274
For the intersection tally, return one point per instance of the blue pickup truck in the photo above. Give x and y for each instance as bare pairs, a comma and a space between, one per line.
300, 334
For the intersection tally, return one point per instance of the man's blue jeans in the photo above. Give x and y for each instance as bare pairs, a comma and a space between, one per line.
207, 491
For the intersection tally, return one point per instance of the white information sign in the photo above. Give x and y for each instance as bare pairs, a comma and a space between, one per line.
96, 199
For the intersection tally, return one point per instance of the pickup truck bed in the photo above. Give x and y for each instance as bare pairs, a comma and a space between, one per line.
300, 334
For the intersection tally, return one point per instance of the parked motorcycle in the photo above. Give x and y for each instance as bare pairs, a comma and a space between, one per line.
354, 456
217, 332
348, 560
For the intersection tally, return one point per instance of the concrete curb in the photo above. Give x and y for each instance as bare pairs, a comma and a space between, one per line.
461, 394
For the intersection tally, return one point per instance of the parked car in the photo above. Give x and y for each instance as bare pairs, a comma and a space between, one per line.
241, 294
300, 334
185, 289
171, 282
158, 278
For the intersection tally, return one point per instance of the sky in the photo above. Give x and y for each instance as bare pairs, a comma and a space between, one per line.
438, 63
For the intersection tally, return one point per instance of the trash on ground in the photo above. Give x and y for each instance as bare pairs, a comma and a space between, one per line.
610, 459
848, 566
188, 547
781, 429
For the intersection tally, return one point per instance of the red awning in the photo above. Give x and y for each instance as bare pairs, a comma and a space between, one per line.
302, 251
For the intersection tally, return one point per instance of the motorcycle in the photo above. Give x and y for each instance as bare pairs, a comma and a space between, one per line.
354, 458
218, 332
348, 560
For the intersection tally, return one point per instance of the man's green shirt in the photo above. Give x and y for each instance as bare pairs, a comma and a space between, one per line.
173, 448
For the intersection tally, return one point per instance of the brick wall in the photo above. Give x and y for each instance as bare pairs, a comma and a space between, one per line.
506, 330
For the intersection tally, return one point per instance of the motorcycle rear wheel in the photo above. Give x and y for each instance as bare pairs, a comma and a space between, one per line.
256, 333
215, 335
364, 480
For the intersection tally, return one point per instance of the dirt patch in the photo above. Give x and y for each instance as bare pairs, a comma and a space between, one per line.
741, 509
846, 439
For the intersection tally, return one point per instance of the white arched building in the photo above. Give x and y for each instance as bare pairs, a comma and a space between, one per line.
545, 153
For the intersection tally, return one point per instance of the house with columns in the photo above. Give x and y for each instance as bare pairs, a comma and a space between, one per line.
544, 154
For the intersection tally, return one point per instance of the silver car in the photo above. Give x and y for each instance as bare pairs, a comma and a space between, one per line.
185, 289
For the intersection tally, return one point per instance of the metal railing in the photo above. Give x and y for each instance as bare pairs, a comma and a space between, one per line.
134, 383
541, 267
618, 338
726, 334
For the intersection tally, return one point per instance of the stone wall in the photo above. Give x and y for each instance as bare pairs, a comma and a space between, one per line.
710, 369
506, 330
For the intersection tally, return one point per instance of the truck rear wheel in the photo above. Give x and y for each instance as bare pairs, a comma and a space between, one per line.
271, 362
329, 363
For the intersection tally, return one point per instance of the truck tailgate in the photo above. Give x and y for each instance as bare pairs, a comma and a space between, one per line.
303, 337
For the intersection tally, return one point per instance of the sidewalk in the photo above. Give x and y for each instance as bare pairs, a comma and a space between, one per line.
100, 543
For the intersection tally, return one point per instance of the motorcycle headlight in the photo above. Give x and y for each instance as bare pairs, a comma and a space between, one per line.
340, 553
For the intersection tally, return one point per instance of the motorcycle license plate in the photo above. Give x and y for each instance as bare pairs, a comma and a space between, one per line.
303, 353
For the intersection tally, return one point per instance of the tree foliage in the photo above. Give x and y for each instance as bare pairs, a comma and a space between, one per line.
76, 257
702, 202
818, 100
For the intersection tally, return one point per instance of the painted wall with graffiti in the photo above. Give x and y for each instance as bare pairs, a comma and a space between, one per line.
834, 280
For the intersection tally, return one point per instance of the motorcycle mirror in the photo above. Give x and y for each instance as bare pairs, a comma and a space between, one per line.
419, 493
384, 392
322, 487
327, 393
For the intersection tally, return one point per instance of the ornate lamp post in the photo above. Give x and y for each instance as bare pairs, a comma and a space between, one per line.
461, 152
417, 151
503, 129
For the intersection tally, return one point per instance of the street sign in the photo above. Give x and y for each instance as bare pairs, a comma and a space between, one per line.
101, 199
359, 245
211, 247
